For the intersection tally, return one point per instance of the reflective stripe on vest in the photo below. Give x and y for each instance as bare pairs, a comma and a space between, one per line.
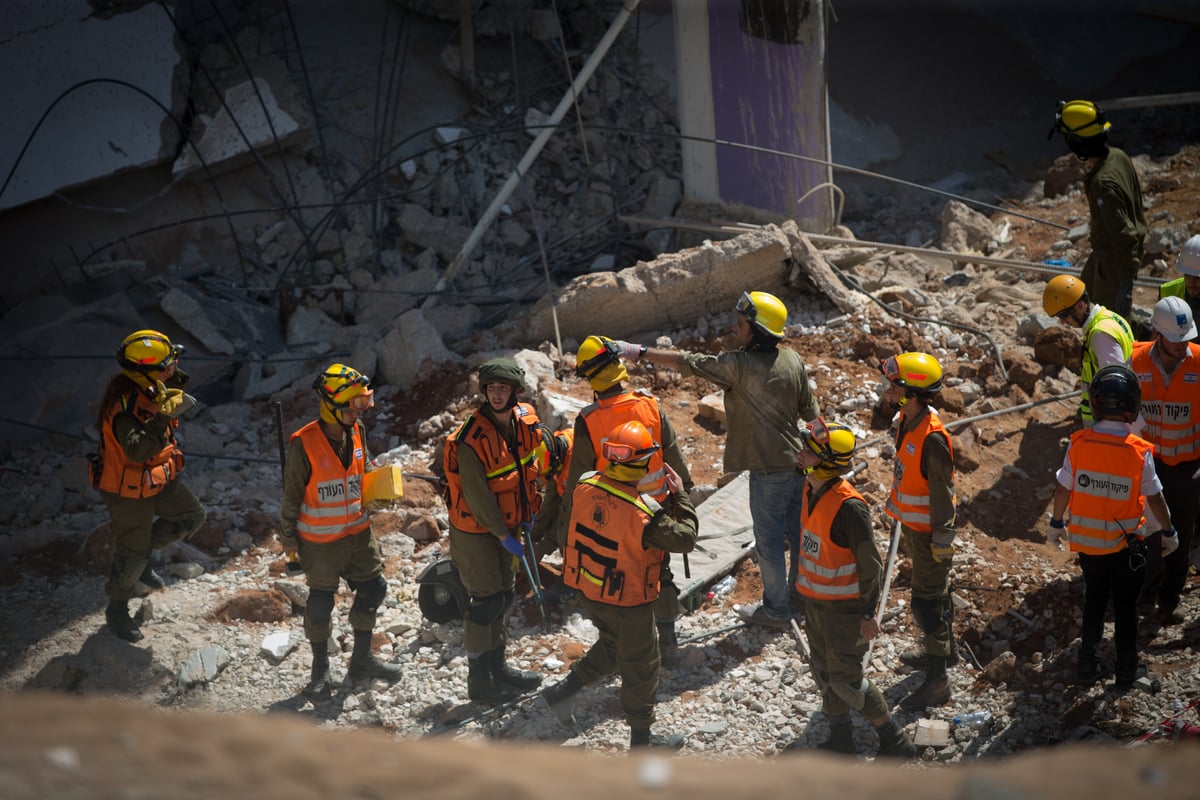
331, 508
604, 557
1114, 325
1170, 410
909, 499
504, 479
136, 479
824, 570
609, 412
1106, 500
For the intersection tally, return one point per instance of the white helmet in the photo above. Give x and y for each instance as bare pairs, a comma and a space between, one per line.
1188, 262
1173, 319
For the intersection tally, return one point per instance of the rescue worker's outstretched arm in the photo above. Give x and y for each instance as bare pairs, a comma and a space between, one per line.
667, 358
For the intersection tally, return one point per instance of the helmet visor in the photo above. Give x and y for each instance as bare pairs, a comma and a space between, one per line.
620, 453
890, 368
745, 306
361, 402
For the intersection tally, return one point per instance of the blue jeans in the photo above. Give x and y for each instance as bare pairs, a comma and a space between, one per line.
775, 499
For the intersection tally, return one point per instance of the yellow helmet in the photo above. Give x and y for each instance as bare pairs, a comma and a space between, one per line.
147, 352
1081, 118
833, 443
594, 354
341, 387
764, 311
1062, 293
916, 373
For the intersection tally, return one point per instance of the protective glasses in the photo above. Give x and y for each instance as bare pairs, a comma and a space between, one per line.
745, 306
890, 368
620, 453
361, 402
817, 437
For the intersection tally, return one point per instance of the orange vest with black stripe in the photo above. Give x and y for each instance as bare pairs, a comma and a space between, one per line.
1106, 498
909, 500
332, 506
1171, 411
826, 571
511, 477
119, 475
609, 412
604, 557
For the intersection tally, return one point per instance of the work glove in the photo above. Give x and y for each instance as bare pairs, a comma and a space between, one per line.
1170, 541
513, 545
175, 402
629, 351
1055, 533
941, 553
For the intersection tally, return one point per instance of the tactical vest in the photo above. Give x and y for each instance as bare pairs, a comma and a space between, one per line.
509, 475
118, 475
609, 412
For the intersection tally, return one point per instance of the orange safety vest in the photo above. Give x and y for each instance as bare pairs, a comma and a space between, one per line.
120, 476
546, 467
609, 412
826, 571
332, 507
508, 475
1106, 500
604, 557
909, 500
1171, 411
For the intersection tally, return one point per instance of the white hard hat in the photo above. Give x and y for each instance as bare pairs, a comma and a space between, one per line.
1173, 319
1188, 262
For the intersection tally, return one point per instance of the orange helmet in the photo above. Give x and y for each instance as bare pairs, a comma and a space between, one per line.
629, 442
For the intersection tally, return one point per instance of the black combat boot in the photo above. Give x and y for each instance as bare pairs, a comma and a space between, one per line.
119, 622
559, 696
934, 691
894, 742
482, 688
319, 684
504, 675
151, 578
841, 736
642, 737
364, 665
668, 643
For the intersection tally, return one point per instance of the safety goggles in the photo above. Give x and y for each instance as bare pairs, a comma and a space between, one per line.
745, 306
361, 402
623, 454
817, 437
602, 359
890, 368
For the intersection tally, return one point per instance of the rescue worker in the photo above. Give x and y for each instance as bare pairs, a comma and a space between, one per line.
492, 473
137, 468
323, 522
598, 361
1187, 285
1107, 337
841, 578
1106, 481
1168, 374
766, 392
922, 500
1117, 228
549, 531
616, 540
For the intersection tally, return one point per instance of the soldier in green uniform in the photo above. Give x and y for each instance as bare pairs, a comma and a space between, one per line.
615, 545
323, 521
1118, 221
137, 468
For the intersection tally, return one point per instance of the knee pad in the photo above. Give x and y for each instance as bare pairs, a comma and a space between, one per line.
192, 522
927, 613
368, 595
487, 609
320, 605
852, 696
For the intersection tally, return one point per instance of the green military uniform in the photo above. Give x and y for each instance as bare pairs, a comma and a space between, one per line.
356, 558
140, 525
1117, 232
485, 567
583, 459
628, 643
834, 637
931, 579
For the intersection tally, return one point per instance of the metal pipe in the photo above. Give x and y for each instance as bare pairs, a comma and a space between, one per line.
532, 153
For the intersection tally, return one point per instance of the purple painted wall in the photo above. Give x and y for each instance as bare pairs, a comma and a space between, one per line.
760, 98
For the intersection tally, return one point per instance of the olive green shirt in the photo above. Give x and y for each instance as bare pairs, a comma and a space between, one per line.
766, 393
852, 530
297, 471
1118, 220
674, 528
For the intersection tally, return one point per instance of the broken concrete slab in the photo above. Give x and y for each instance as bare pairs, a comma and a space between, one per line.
412, 342
189, 314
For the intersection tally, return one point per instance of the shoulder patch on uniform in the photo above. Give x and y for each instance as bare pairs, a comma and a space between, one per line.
1191, 377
